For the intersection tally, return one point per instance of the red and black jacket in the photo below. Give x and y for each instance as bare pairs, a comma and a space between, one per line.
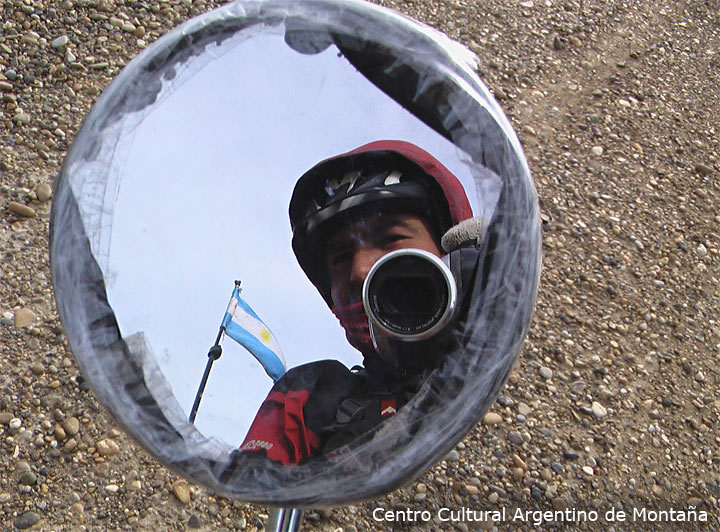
319, 407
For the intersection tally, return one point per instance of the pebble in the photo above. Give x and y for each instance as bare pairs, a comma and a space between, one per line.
11, 74
15, 423
22, 118
181, 490
5, 417
524, 409
26, 520
504, 400
5, 86
59, 42
44, 192
519, 461
23, 317
598, 410
452, 456
491, 418
22, 210
571, 454
71, 426
703, 169
559, 504
702, 250
546, 373
112, 488
597, 150
28, 478
107, 447
515, 437
588, 470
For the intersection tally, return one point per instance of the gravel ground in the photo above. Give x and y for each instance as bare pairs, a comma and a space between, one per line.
613, 405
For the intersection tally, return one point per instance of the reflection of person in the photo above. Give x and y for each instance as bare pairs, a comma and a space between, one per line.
346, 213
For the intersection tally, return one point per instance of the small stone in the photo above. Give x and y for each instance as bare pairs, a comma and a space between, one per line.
107, 447
44, 192
26, 520
112, 488
519, 461
452, 456
37, 369
515, 437
59, 42
194, 522
546, 474
128, 27
181, 490
588, 471
22, 210
472, 490
28, 478
491, 418
22, 118
493, 497
546, 373
598, 410
703, 169
71, 425
574, 41
139, 32
15, 423
656, 490
695, 501
5, 417
702, 250
60, 433
597, 150
700, 377
5, 86
559, 504
421, 488
23, 317
571, 454
11, 74
524, 409
77, 508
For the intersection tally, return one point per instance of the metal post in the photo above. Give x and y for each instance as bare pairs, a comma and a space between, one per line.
284, 520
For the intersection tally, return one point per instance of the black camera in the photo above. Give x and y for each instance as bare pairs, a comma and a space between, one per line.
413, 299
409, 295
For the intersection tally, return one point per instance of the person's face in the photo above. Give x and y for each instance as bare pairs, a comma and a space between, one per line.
354, 247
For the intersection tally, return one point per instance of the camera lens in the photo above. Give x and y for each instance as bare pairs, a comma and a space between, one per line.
409, 293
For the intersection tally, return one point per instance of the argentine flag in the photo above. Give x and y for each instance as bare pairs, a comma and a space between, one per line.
245, 327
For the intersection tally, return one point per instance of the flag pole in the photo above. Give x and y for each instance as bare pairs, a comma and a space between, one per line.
213, 355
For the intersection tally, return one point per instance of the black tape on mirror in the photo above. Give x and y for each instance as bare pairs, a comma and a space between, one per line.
180, 181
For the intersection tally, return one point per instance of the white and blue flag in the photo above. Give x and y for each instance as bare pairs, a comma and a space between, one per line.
245, 327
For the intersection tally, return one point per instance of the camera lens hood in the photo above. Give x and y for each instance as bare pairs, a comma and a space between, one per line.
409, 295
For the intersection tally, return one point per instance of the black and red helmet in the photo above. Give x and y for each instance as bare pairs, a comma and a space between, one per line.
391, 175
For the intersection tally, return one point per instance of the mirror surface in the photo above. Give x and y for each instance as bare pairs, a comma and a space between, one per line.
204, 180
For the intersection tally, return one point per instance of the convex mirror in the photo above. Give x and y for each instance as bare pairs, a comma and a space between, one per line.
180, 182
